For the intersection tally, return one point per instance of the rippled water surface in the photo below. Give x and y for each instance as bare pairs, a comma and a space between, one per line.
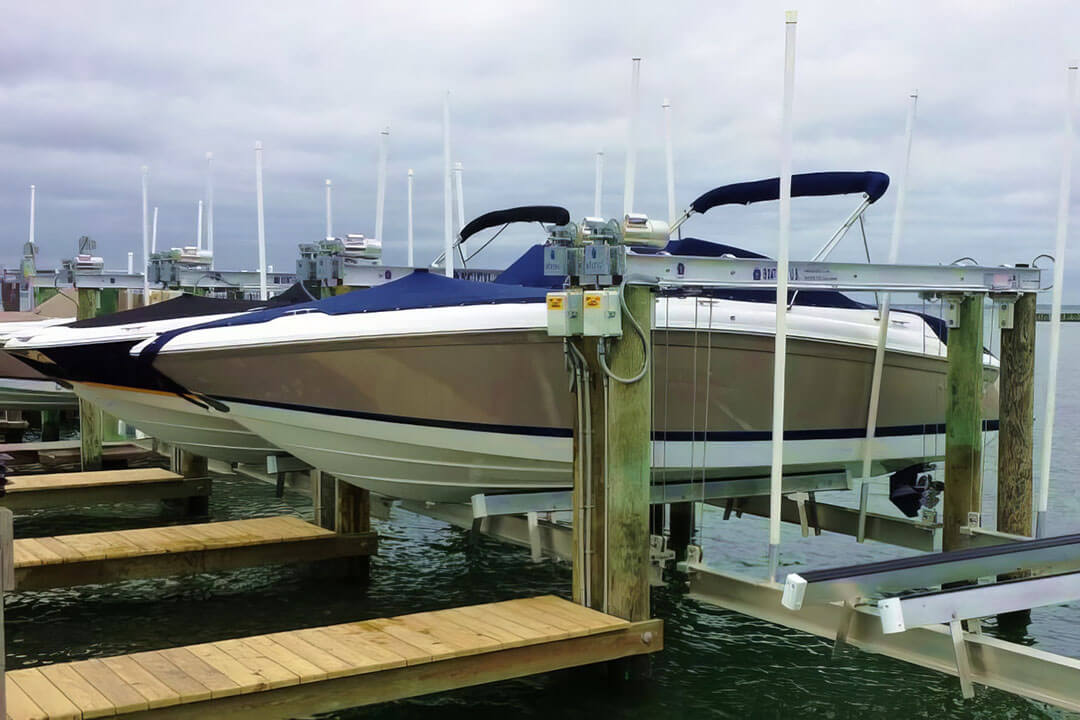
716, 664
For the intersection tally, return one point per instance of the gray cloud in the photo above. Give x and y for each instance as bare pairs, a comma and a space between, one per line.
90, 91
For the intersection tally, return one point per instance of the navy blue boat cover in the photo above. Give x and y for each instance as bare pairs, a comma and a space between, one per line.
817, 184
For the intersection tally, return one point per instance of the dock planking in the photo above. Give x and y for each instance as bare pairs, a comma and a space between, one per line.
31, 492
90, 558
301, 672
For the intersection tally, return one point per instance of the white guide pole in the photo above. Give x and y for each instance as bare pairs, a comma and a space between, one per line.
263, 295
33, 200
145, 237
631, 140
210, 206
198, 229
329, 212
448, 202
780, 351
1055, 311
153, 234
380, 187
131, 263
459, 171
410, 225
598, 193
883, 326
30, 278
670, 157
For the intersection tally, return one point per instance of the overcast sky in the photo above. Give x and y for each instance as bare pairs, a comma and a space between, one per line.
90, 91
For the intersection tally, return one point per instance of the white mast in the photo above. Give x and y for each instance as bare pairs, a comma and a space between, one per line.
380, 189
780, 351
410, 226
329, 213
263, 295
631, 141
448, 212
458, 172
599, 191
145, 239
153, 234
883, 326
669, 156
1055, 310
29, 277
210, 206
198, 229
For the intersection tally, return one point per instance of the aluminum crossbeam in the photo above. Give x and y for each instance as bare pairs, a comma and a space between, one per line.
684, 271
672, 492
908, 611
1057, 554
1011, 667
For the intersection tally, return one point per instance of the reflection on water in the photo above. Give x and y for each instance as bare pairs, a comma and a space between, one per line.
716, 664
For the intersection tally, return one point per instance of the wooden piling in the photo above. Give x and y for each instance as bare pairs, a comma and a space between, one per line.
963, 420
353, 515
50, 425
680, 528
195, 466
1015, 502
89, 415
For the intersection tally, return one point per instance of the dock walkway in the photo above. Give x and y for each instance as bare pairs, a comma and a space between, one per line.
302, 672
100, 557
31, 492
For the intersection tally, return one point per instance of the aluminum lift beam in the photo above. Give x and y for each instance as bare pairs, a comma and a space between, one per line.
672, 492
1046, 555
699, 272
845, 521
1014, 668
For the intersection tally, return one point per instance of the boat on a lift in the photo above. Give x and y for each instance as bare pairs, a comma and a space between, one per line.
92, 357
433, 388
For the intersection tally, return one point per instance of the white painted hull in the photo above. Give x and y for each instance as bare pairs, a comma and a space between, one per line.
26, 394
450, 465
178, 422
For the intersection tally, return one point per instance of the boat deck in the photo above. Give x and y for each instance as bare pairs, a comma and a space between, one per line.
100, 557
301, 672
30, 492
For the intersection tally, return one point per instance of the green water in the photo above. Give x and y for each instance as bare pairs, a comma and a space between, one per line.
716, 664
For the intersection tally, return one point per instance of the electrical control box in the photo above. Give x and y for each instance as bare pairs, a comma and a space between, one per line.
564, 316
603, 315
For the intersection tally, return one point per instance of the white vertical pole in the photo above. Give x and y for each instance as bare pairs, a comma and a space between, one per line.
33, 200
780, 351
410, 225
670, 157
448, 212
631, 141
153, 234
30, 278
145, 237
883, 326
329, 212
380, 189
459, 192
198, 229
1055, 310
210, 206
262, 230
131, 263
598, 193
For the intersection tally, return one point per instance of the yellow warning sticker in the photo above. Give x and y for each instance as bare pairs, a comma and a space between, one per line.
555, 302
593, 300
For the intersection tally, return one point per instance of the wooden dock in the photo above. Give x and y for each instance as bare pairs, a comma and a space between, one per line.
303, 672
101, 557
31, 492
57, 455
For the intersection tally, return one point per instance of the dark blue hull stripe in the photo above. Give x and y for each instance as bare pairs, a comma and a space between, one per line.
658, 435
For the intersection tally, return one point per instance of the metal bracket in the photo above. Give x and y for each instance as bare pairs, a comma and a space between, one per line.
659, 556
963, 664
952, 311
800, 499
1006, 305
